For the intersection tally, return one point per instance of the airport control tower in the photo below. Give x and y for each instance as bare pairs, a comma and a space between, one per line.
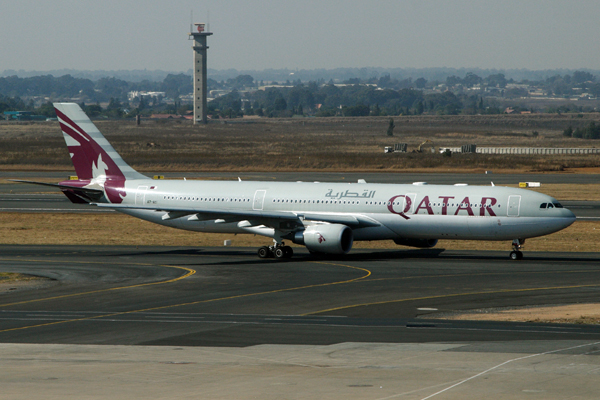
200, 47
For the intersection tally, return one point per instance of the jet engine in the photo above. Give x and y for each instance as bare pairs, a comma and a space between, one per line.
326, 238
420, 243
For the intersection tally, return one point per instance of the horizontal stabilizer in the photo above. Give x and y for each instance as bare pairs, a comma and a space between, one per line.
61, 186
76, 194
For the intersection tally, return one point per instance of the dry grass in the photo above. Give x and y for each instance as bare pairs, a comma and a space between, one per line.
11, 277
118, 229
567, 314
340, 144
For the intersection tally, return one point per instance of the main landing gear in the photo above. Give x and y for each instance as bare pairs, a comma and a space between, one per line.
277, 250
517, 245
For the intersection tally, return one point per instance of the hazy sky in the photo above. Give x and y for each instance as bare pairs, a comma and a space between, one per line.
306, 34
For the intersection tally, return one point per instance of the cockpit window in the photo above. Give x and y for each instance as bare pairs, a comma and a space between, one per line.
551, 205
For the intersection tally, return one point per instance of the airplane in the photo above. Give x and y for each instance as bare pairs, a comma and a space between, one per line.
325, 217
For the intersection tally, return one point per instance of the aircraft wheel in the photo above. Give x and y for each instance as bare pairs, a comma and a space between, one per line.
280, 253
289, 252
264, 252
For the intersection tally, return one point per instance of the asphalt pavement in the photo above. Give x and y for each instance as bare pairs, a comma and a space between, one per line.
207, 296
161, 322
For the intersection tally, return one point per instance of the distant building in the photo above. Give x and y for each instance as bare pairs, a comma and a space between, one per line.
23, 116
218, 93
137, 94
166, 116
536, 92
517, 86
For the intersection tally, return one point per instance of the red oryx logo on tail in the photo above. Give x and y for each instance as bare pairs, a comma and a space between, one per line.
90, 159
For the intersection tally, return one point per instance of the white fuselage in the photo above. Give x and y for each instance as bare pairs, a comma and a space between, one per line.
373, 211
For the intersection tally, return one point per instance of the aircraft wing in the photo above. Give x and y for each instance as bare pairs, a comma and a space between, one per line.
352, 220
267, 218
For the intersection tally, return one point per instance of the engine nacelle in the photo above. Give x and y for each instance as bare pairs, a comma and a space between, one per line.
326, 238
420, 243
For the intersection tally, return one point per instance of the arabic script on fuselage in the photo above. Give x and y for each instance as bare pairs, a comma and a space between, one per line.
366, 194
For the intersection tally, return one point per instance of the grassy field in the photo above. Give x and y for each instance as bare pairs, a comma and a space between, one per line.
310, 144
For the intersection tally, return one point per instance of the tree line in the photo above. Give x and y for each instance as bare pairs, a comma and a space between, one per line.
376, 96
353, 100
99, 91
592, 131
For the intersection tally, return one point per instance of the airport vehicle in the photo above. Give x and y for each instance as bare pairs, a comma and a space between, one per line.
427, 141
324, 217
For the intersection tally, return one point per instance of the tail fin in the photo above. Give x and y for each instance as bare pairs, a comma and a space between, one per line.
92, 156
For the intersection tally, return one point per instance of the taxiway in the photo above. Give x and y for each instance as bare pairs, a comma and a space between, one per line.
213, 297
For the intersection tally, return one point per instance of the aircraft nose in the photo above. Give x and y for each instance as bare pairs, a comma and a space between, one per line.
568, 214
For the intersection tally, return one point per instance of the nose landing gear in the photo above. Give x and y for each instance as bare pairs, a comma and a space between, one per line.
517, 245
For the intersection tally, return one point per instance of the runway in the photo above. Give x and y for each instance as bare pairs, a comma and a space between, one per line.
213, 297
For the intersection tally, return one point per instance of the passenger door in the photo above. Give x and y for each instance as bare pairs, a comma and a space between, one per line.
259, 199
140, 195
514, 205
